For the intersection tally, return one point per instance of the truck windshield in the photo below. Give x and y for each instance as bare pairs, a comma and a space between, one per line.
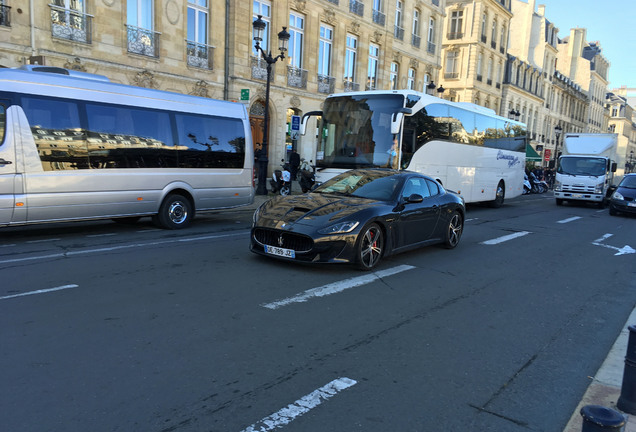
356, 130
582, 166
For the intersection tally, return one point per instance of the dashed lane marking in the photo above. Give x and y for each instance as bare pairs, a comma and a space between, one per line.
42, 291
569, 219
505, 238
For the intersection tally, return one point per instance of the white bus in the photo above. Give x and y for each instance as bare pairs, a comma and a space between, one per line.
467, 148
74, 146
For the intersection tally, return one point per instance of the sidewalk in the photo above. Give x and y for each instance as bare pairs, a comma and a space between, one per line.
605, 388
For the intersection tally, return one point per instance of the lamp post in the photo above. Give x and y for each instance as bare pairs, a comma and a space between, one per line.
440, 91
557, 131
283, 37
430, 88
514, 115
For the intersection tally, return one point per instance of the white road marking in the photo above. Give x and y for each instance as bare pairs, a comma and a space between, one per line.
114, 248
301, 406
569, 219
102, 235
44, 240
470, 220
7, 245
40, 291
336, 287
619, 251
505, 238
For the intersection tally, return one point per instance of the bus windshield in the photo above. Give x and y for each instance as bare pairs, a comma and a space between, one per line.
356, 131
582, 166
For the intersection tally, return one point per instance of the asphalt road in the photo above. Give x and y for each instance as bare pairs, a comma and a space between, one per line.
107, 327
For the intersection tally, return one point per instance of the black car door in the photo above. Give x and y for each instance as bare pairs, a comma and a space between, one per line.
417, 219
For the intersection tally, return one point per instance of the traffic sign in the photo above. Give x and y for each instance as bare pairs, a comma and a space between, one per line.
295, 123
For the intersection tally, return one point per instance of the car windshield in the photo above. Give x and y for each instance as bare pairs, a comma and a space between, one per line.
628, 182
589, 166
371, 185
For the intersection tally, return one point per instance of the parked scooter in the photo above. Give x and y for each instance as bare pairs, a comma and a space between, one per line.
281, 180
307, 176
538, 186
527, 186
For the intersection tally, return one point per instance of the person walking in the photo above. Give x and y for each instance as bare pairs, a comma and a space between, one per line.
294, 163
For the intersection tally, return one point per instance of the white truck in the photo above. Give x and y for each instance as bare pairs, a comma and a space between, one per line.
586, 168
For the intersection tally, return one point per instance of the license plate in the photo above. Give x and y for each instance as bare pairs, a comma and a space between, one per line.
273, 250
577, 196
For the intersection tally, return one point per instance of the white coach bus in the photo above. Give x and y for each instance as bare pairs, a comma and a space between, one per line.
74, 146
466, 147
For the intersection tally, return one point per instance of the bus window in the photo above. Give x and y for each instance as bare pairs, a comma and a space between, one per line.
462, 126
59, 137
125, 137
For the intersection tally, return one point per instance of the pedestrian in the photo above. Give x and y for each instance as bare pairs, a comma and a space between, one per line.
393, 155
294, 163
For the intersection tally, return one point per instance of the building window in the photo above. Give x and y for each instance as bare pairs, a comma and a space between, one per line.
393, 75
399, 31
490, 67
452, 65
410, 82
484, 20
351, 58
431, 36
198, 52
68, 20
263, 8
493, 35
296, 40
142, 39
502, 40
372, 70
456, 22
416, 29
325, 49
378, 15
480, 61
426, 82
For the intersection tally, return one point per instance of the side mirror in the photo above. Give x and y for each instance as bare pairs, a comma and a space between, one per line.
305, 119
414, 199
614, 166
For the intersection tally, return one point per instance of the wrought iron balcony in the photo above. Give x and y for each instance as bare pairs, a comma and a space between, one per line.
351, 86
479, 77
200, 55
296, 77
435, 2
484, 38
326, 84
502, 49
454, 35
143, 41
259, 69
398, 32
336, 2
5, 15
379, 17
70, 24
451, 75
489, 81
498, 85
430, 48
415, 41
356, 7
493, 44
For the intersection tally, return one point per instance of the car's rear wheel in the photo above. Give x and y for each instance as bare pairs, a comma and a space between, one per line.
454, 230
370, 247
612, 211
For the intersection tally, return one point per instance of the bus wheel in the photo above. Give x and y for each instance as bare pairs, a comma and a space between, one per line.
500, 194
175, 212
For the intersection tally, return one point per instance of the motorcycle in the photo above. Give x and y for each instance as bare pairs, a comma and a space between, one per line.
307, 176
538, 186
527, 187
281, 180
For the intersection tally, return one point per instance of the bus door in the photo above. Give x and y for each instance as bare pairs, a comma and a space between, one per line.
7, 165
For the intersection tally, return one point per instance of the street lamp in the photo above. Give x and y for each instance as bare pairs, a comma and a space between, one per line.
283, 37
514, 115
557, 131
430, 88
440, 91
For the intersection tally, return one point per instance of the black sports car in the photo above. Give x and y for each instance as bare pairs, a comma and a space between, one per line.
359, 217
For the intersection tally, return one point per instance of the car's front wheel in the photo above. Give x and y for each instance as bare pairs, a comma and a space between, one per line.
454, 230
370, 247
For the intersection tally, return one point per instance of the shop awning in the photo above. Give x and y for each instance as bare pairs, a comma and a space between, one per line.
531, 154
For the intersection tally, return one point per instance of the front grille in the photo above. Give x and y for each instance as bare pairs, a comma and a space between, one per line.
290, 240
577, 188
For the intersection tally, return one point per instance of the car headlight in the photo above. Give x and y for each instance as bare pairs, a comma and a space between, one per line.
339, 228
599, 188
618, 196
557, 186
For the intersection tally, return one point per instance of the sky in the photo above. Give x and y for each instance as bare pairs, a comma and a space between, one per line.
611, 22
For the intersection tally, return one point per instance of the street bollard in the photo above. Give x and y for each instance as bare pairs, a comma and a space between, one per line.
627, 400
597, 418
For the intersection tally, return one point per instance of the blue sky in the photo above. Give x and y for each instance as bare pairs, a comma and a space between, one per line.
611, 22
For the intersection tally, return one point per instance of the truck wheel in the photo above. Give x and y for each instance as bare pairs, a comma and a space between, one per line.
176, 212
559, 201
